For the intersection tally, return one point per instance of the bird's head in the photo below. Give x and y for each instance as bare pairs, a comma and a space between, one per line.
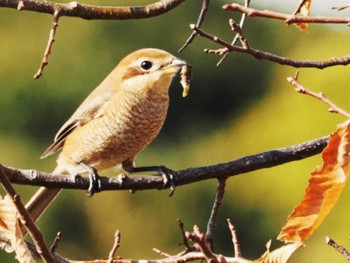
149, 69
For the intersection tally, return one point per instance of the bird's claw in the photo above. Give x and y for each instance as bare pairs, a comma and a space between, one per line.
95, 184
168, 178
95, 180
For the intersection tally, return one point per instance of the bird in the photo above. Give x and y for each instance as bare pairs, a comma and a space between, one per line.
117, 120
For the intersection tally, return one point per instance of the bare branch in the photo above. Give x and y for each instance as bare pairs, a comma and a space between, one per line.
47, 52
200, 20
184, 238
75, 9
201, 240
220, 191
340, 8
55, 242
142, 182
116, 245
288, 18
235, 242
241, 24
239, 33
268, 56
320, 96
26, 220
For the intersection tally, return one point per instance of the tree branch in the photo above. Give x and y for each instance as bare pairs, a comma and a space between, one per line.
50, 42
26, 220
75, 9
142, 182
342, 250
200, 20
268, 56
212, 223
241, 24
288, 18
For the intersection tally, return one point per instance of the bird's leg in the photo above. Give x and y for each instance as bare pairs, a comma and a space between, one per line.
167, 174
95, 181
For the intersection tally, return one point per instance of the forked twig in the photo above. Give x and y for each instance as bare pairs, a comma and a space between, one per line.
200, 20
241, 24
259, 54
320, 96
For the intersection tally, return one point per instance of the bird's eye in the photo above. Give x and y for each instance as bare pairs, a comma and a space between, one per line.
146, 65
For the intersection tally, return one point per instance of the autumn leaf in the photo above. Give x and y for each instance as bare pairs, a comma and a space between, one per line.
303, 10
10, 228
324, 188
280, 255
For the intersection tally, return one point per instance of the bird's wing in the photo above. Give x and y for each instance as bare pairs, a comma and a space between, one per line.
92, 108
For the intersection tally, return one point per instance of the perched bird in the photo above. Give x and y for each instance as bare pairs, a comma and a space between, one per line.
116, 121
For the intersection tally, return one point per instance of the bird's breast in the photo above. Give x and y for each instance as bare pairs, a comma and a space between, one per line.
125, 128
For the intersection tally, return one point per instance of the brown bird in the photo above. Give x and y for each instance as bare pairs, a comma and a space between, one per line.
115, 122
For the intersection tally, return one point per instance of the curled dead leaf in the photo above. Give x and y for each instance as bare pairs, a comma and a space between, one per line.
324, 188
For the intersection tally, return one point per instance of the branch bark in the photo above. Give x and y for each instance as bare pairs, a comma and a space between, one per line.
142, 182
258, 54
288, 18
75, 9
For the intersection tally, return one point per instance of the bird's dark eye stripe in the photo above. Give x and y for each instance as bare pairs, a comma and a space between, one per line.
146, 65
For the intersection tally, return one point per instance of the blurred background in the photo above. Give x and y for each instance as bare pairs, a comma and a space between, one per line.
244, 106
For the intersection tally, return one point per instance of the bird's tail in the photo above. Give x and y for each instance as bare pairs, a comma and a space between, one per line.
41, 200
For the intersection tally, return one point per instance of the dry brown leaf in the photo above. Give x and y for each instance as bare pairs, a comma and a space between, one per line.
280, 255
324, 188
10, 228
304, 11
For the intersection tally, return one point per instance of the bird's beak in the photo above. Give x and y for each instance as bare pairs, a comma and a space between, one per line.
174, 67
178, 65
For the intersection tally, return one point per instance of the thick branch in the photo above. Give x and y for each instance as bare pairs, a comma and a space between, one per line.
75, 9
142, 182
288, 18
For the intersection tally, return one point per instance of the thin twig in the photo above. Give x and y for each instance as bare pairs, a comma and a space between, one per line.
75, 9
212, 222
287, 18
116, 245
241, 24
200, 20
26, 220
342, 250
183, 234
161, 253
142, 182
201, 240
320, 96
55, 242
235, 242
239, 33
50, 42
340, 8
269, 56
